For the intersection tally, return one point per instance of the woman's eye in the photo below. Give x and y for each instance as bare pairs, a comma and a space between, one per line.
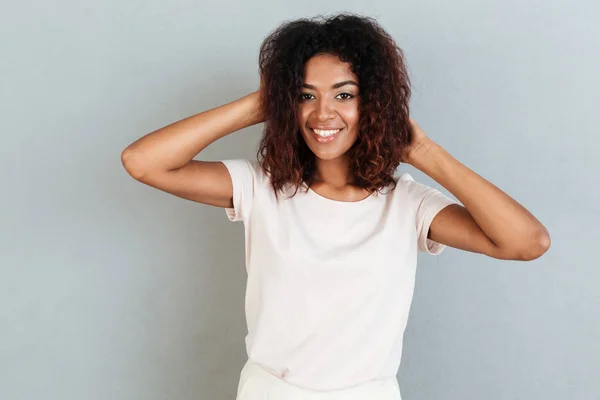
304, 96
346, 94
307, 96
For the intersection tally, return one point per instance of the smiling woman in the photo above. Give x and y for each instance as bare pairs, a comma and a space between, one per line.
331, 270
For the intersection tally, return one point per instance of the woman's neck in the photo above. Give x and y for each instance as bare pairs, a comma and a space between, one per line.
335, 173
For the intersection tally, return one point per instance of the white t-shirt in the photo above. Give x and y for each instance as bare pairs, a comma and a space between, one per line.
330, 283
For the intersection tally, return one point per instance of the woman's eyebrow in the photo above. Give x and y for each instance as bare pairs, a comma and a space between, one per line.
337, 85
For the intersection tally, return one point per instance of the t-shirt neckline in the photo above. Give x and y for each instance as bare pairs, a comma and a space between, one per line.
324, 199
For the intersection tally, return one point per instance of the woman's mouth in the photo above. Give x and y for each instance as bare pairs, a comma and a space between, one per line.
325, 136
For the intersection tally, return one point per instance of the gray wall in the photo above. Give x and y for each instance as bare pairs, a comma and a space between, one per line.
110, 289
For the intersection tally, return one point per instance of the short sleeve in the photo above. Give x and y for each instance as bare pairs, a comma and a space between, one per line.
428, 202
243, 179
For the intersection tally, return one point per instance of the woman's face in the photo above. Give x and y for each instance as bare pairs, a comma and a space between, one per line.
328, 106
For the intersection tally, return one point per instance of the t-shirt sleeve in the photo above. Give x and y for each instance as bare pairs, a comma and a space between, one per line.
243, 179
428, 202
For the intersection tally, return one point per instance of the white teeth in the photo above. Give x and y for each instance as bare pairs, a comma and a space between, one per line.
324, 133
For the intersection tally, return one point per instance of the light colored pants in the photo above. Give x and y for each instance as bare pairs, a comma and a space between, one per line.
256, 383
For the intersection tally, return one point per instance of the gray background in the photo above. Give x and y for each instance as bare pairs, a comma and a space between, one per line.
110, 289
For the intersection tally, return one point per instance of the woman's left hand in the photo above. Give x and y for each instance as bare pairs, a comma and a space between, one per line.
418, 143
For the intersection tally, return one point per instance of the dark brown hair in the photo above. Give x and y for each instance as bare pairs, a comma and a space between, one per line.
384, 90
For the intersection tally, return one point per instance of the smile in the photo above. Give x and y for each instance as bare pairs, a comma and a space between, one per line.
325, 136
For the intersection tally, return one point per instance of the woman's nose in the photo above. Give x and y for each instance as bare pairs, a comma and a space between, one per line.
325, 111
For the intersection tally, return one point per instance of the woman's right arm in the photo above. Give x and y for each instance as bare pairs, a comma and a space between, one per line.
163, 159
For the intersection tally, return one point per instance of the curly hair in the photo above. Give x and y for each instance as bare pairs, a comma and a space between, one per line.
384, 87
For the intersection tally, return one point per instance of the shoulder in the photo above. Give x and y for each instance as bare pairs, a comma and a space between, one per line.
405, 177
415, 192
406, 181
246, 169
407, 184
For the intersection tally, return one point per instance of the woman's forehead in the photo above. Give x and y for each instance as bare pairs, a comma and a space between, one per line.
325, 70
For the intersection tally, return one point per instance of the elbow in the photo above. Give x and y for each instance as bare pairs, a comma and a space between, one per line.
538, 246
131, 164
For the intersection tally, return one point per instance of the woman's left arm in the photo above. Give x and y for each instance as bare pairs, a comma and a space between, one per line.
491, 222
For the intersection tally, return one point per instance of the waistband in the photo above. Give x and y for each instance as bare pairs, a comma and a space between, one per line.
256, 383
